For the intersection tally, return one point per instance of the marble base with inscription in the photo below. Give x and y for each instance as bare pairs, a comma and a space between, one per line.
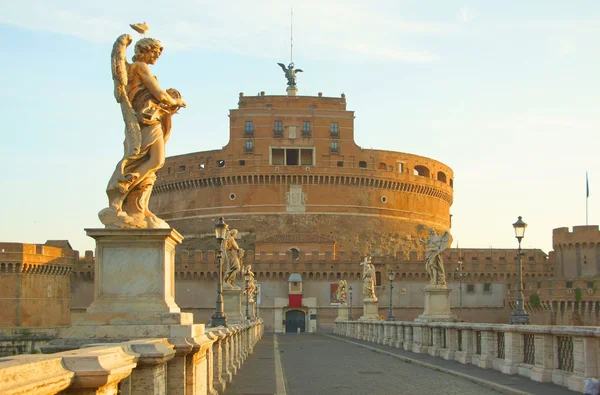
370, 311
232, 306
342, 313
437, 306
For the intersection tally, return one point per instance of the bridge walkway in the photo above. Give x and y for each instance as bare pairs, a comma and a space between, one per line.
313, 364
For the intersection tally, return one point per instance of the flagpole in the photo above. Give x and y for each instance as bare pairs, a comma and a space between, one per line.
587, 196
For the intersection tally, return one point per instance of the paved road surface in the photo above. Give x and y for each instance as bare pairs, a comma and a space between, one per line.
320, 364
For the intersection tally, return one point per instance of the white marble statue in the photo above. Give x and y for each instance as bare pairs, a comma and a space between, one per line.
147, 110
251, 285
233, 257
341, 292
434, 264
368, 278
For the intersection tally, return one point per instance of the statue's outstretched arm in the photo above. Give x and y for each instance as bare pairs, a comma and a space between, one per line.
152, 84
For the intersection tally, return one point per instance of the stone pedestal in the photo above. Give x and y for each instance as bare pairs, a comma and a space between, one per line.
342, 313
437, 306
134, 271
370, 311
232, 305
292, 91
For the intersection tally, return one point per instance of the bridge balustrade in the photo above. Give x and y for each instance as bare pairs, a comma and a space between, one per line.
563, 355
203, 365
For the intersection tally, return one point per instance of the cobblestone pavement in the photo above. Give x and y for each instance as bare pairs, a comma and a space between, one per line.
313, 364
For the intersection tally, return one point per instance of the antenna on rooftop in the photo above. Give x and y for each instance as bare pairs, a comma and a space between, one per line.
291, 34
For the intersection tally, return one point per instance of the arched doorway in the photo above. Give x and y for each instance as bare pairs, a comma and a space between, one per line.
295, 319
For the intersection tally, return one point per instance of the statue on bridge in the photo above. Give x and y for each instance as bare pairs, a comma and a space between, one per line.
147, 110
368, 278
233, 257
434, 264
341, 292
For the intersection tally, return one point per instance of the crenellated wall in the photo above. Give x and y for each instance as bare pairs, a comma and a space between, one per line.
577, 252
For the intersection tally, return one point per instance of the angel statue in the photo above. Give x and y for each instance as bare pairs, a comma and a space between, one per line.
341, 292
434, 263
147, 110
233, 256
251, 285
368, 278
290, 73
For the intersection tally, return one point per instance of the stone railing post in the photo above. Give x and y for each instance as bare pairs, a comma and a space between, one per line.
399, 334
436, 347
486, 358
98, 370
380, 332
466, 355
408, 337
513, 349
227, 365
544, 355
150, 375
219, 381
420, 338
449, 351
51, 377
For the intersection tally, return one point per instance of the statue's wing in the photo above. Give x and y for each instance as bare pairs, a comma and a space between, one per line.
120, 70
299, 71
283, 67
444, 240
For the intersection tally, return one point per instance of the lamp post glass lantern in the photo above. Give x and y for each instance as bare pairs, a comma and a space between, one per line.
247, 278
391, 275
350, 303
218, 318
519, 316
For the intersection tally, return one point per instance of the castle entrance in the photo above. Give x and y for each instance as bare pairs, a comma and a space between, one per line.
295, 319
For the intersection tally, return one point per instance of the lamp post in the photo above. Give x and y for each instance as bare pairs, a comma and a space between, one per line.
519, 316
218, 318
350, 318
391, 312
459, 272
247, 278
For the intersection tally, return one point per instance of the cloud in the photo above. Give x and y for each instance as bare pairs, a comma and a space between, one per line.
565, 47
467, 14
324, 28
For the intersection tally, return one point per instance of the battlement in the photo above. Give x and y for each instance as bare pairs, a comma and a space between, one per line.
580, 234
316, 103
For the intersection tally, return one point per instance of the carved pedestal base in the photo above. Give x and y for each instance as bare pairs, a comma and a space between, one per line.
342, 313
437, 306
371, 311
232, 305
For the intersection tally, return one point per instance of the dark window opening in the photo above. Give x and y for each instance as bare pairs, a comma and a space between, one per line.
421, 171
334, 129
249, 128
295, 253
220, 163
242, 162
377, 279
471, 288
306, 128
278, 128
291, 157
441, 176
340, 163
362, 164
487, 287
569, 284
249, 146
334, 147
182, 168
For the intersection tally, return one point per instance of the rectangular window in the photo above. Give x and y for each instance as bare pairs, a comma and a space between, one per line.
508, 287
306, 128
168, 170
400, 167
334, 129
539, 285
590, 285
487, 287
242, 162
291, 157
181, 168
471, 288
340, 163
277, 156
569, 284
249, 127
306, 157
334, 147
278, 127
249, 145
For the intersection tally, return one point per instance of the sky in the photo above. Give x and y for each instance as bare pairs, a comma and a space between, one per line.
505, 93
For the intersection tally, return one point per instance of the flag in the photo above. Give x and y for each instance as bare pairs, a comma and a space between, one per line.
587, 186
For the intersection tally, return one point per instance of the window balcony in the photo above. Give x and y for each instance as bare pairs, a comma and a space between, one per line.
306, 133
334, 134
278, 133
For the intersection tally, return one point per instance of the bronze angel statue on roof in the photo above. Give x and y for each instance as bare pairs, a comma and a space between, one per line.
290, 73
147, 110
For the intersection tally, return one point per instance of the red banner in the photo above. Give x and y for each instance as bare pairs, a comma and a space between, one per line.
295, 300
